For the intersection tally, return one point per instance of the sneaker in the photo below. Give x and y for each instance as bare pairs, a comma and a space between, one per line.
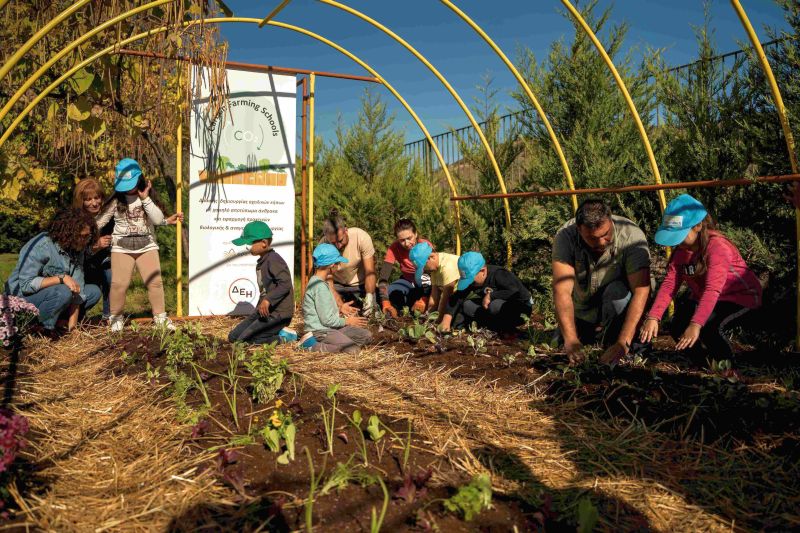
287, 335
163, 320
307, 341
116, 322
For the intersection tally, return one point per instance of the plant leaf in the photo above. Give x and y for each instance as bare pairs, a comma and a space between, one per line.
79, 110
288, 435
374, 428
81, 81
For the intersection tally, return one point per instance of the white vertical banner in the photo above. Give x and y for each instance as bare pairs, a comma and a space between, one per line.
242, 169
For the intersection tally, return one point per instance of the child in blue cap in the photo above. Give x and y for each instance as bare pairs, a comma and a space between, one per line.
721, 286
133, 241
326, 329
489, 295
443, 270
276, 294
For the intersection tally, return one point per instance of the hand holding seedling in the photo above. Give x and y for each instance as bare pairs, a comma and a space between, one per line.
689, 337
146, 192
649, 330
263, 308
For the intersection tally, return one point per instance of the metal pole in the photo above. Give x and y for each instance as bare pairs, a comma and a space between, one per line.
787, 178
455, 95
253, 66
631, 106
304, 248
312, 80
787, 134
274, 13
36, 37
179, 197
559, 152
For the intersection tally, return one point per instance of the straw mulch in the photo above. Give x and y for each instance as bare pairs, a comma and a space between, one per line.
117, 461
106, 450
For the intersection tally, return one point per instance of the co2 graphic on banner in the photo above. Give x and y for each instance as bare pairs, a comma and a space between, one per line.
241, 169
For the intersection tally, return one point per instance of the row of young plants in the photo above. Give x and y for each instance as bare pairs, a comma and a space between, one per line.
188, 365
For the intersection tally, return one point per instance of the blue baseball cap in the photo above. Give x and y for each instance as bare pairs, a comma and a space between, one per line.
128, 173
327, 255
680, 216
469, 265
419, 255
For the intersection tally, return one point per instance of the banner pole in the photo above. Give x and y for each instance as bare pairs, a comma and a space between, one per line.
303, 185
179, 198
312, 79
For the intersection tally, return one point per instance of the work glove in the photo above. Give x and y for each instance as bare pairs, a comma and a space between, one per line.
369, 304
388, 309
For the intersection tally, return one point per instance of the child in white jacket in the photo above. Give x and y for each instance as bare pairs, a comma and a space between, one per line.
133, 241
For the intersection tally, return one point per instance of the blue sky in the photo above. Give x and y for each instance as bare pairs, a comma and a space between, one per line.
455, 49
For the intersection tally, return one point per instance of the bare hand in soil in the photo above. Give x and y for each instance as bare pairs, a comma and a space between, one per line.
348, 310
689, 337
614, 353
649, 330
575, 352
356, 320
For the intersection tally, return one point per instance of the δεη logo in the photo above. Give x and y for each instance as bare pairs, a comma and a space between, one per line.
242, 290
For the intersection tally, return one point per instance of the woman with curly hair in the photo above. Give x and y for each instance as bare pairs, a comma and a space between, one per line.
90, 196
49, 272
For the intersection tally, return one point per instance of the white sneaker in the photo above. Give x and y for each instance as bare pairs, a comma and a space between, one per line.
117, 323
163, 320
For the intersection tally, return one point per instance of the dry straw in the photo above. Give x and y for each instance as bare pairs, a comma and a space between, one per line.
116, 460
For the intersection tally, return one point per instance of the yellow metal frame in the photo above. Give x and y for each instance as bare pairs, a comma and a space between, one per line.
311, 162
179, 196
787, 134
36, 37
274, 13
528, 92
455, 95
69, 48
624, 90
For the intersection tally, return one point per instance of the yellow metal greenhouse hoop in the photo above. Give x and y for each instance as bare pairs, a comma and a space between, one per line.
6, 134
457, 98
787, 134
527, 89
624, 90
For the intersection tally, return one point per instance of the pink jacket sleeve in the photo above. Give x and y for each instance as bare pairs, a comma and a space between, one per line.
719, 260
669, 287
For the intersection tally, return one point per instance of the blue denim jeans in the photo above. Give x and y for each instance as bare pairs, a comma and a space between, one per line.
403, 293
53, 301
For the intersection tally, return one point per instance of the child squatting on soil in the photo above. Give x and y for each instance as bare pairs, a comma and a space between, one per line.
133, 241
326, 330
721, 286
275, 303
443, 270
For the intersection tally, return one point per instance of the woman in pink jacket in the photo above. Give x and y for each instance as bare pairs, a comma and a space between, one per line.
721, 286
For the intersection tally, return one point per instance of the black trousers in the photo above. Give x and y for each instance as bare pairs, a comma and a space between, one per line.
715, 343
255, 329
501, 316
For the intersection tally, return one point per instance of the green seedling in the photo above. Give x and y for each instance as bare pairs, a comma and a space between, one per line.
280, 426
374, 428
328, 421
472, 498
356, 422
587, 516
152, 372
267, 374
376, 523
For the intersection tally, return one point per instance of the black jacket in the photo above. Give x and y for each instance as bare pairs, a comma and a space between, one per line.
275, 284
505, 286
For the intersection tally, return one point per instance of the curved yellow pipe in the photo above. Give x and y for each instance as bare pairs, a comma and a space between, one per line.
69, 48
527, 89
16, 56
69, 73
621, 84
3, 3
455, 95
787, 132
